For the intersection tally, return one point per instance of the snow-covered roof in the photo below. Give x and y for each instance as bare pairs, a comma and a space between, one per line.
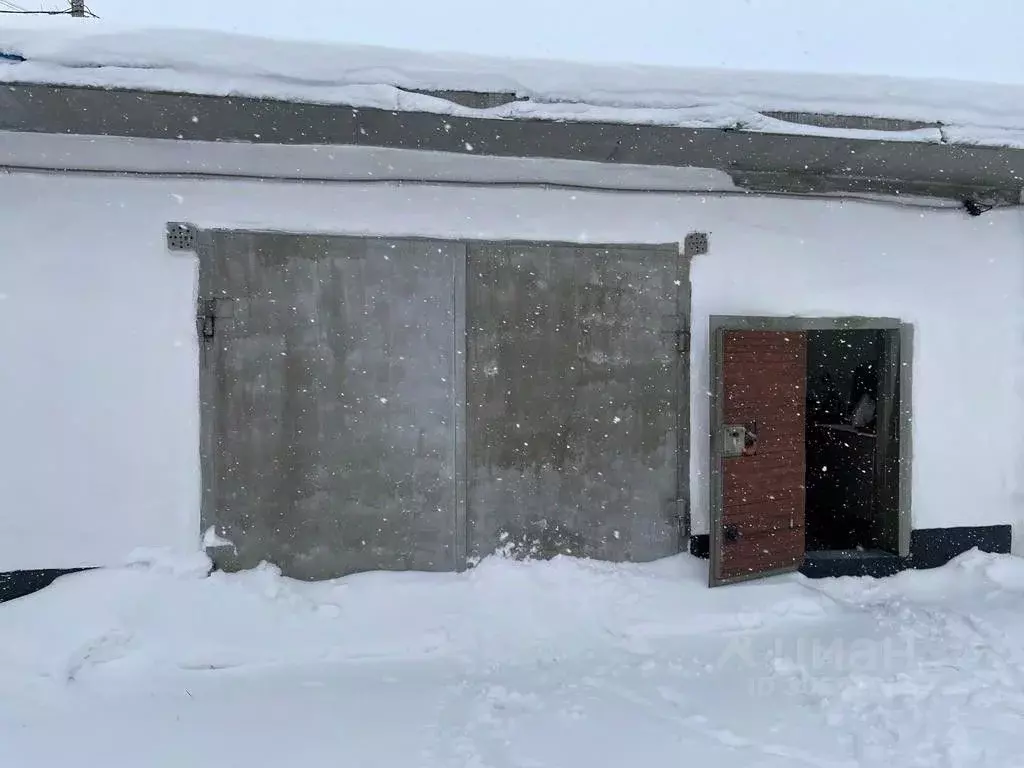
938, 39
219, 63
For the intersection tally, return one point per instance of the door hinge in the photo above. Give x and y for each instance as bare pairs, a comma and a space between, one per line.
206, 320
209, 312
682, 516
682, 341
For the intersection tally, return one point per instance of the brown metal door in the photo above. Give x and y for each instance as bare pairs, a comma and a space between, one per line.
758, 462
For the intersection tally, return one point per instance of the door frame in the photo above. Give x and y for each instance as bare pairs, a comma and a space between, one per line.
900, 364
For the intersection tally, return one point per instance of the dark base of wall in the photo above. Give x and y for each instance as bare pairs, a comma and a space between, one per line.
929, 548
932, 547
700, 546
15, 584
878, 565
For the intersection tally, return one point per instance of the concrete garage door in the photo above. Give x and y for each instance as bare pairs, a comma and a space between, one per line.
412, 404
328, 407
576, 432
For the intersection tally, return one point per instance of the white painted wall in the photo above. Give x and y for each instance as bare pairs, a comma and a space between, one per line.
959, 281
98, 385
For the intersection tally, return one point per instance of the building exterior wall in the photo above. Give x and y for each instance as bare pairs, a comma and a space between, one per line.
99, 382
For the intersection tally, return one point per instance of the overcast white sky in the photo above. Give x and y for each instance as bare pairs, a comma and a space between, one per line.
958, 39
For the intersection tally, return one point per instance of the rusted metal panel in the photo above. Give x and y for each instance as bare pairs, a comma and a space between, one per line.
763, 387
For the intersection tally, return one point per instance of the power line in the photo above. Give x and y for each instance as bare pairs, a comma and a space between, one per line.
12, 6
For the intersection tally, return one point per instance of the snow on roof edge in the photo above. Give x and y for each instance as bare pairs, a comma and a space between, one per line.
217, 63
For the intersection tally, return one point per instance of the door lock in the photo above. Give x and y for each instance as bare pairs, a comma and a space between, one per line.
739, 440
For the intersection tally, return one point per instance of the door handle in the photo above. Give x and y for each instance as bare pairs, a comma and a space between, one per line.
731, 533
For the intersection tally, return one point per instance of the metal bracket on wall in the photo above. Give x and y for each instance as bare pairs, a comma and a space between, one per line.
696, 244
181, 236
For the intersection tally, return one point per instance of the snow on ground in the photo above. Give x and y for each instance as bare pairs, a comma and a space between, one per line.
565, 663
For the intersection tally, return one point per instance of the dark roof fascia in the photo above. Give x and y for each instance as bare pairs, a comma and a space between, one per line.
756, 161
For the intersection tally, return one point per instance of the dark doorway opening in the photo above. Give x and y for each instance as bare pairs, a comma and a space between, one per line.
851, 439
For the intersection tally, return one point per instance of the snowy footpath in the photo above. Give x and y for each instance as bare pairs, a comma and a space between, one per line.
527, 665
